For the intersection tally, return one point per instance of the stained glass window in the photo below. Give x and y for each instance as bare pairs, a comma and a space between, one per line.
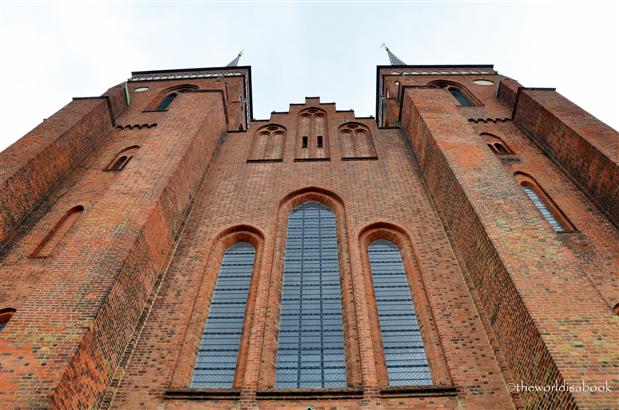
405, 355
310, 352
539, 204
219, 347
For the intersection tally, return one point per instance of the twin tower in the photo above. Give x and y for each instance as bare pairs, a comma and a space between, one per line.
161, 248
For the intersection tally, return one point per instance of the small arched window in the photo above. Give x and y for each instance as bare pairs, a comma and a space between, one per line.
464, 97
121, 159
6, 315
405, 355
165, 103
218, 352
63, 226
496, 144
165, 98
544, 204
459, 96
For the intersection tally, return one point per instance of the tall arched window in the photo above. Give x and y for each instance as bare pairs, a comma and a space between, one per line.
5, 316
217, 355
122, 159
63, 226
544, 204
405, 356
310, 351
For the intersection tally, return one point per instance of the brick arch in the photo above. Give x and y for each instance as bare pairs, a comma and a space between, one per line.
474, 101
526, 180
356, 141
221, 241
432, 342
335, 202
268, 143
122, 158
58, 233
496, 144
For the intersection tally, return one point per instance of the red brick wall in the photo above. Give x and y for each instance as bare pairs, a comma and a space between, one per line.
238, 193
34, 164
81, 305
586, 148
500, 237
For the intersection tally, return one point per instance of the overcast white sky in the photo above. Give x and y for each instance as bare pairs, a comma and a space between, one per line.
54, 50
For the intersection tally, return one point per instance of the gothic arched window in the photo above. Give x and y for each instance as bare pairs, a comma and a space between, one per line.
217, 356
61, 228
405, 356
356, 141
310, 352
496, 144
464, 97
544, 204
121, 159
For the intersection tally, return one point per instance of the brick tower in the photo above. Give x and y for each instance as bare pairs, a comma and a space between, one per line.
160, 248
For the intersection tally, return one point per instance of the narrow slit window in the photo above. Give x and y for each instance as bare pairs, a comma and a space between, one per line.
459, 96
219, 348
405, 355
165, 103
319, 141
541, 206
119, 164
304, 142
500, 149
310, 352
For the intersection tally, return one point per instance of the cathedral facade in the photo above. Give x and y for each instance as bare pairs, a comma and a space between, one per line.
161, 248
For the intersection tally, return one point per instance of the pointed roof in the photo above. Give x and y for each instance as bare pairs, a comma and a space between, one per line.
235, 62
393, 59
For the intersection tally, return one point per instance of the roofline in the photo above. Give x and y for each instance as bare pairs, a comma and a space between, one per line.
380, 67
184, 70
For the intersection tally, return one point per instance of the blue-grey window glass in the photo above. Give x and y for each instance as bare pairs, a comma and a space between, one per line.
459, 96
166, 102
405, 355
3, 324
310, 352
219, 347
539, 204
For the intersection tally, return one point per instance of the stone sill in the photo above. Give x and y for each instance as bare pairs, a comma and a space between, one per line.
310, 394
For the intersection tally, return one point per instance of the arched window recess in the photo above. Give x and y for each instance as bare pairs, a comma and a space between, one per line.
544, 204
460, 93
122, 159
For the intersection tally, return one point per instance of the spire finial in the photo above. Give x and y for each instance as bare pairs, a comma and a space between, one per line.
235, 62
393, 59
